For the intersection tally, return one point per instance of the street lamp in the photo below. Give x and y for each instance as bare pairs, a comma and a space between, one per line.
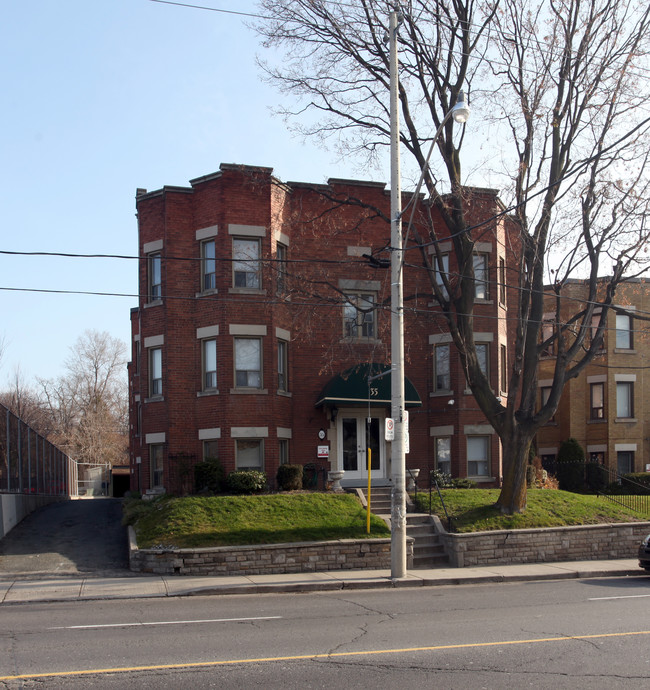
460, 113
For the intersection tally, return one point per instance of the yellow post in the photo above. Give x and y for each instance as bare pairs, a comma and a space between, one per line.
368, 509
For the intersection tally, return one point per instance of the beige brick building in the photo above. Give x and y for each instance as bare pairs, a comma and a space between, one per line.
605, 408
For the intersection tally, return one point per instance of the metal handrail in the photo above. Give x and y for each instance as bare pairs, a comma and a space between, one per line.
432, 481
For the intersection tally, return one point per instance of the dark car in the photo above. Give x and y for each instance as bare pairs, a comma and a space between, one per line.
644, 553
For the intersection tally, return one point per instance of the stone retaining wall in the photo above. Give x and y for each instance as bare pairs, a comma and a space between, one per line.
304, 557
548, 545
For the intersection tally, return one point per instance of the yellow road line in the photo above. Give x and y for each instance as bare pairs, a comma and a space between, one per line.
302, 657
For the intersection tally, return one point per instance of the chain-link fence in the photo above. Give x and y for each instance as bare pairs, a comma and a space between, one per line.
29, 463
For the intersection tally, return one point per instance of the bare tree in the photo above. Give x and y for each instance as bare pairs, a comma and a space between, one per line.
555, 84
23, 401
89, 402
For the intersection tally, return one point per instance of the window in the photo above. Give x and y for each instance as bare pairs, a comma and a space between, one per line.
482, 354
545, 394
248, 363
548, 342
281, 267
502, 280
283, 360
156, 465
443, 454
625, 461
359, 316
597, 400
208, 265
246, 263
138, 420
442, 373
155, 372
597, 457
480, 263
623, 332
595, 321
283, 451
155, 277
504, 367
478, 448
209, 359
210, 450
625, 399
137, 356
249, 454
444, 259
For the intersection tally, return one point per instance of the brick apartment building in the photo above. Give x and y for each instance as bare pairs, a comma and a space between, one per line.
260, 317
604, 408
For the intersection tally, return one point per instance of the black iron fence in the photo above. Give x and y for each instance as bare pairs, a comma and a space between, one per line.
29, 463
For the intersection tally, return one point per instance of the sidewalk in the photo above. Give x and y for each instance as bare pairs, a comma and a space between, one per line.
67, 588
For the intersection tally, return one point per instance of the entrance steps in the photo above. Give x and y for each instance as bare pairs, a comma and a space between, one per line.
428, 549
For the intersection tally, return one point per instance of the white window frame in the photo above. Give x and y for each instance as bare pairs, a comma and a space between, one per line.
480, 266
473, 460
283, 366
625, 400
156, 464
208, 265
360, 321
444, 260
154, 276
443, 465
208, 358
240, 447
250, 373
624, 334
247, 264
593, 409
437, 375
155, 372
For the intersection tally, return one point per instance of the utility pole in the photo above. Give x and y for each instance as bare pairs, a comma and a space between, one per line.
398, 464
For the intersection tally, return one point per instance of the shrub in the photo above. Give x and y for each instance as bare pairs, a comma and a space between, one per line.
441, 479
639, 480
289, 477
531, 476
209, 476
246, 482
571, 466
597, 477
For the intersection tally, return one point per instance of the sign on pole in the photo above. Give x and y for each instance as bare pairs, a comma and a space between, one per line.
389, 429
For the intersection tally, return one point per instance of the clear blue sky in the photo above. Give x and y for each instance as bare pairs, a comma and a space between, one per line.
99, 98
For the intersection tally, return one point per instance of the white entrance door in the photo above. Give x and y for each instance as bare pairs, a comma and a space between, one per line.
356, 435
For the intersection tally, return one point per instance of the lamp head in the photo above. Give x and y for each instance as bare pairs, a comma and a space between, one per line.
460, 112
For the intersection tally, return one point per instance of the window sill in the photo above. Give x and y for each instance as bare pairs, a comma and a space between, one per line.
206, 293
246, 291
284, 394
155, 398
441, 394
481, 479
597, 421
478, 300
623, 351
625, 420
360, 341
249, 391
207, 394
155, 303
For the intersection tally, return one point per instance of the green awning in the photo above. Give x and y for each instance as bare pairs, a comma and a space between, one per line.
352, 387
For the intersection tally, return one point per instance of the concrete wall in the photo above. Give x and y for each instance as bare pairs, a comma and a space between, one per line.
344, 554
552, 544
14, 507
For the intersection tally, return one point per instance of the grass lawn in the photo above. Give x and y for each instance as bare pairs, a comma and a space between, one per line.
473, 510
199, 521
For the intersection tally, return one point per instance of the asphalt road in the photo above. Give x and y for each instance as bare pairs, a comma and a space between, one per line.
577, 634
69, 538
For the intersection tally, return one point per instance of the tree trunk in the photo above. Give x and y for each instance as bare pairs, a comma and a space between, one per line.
515, 462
